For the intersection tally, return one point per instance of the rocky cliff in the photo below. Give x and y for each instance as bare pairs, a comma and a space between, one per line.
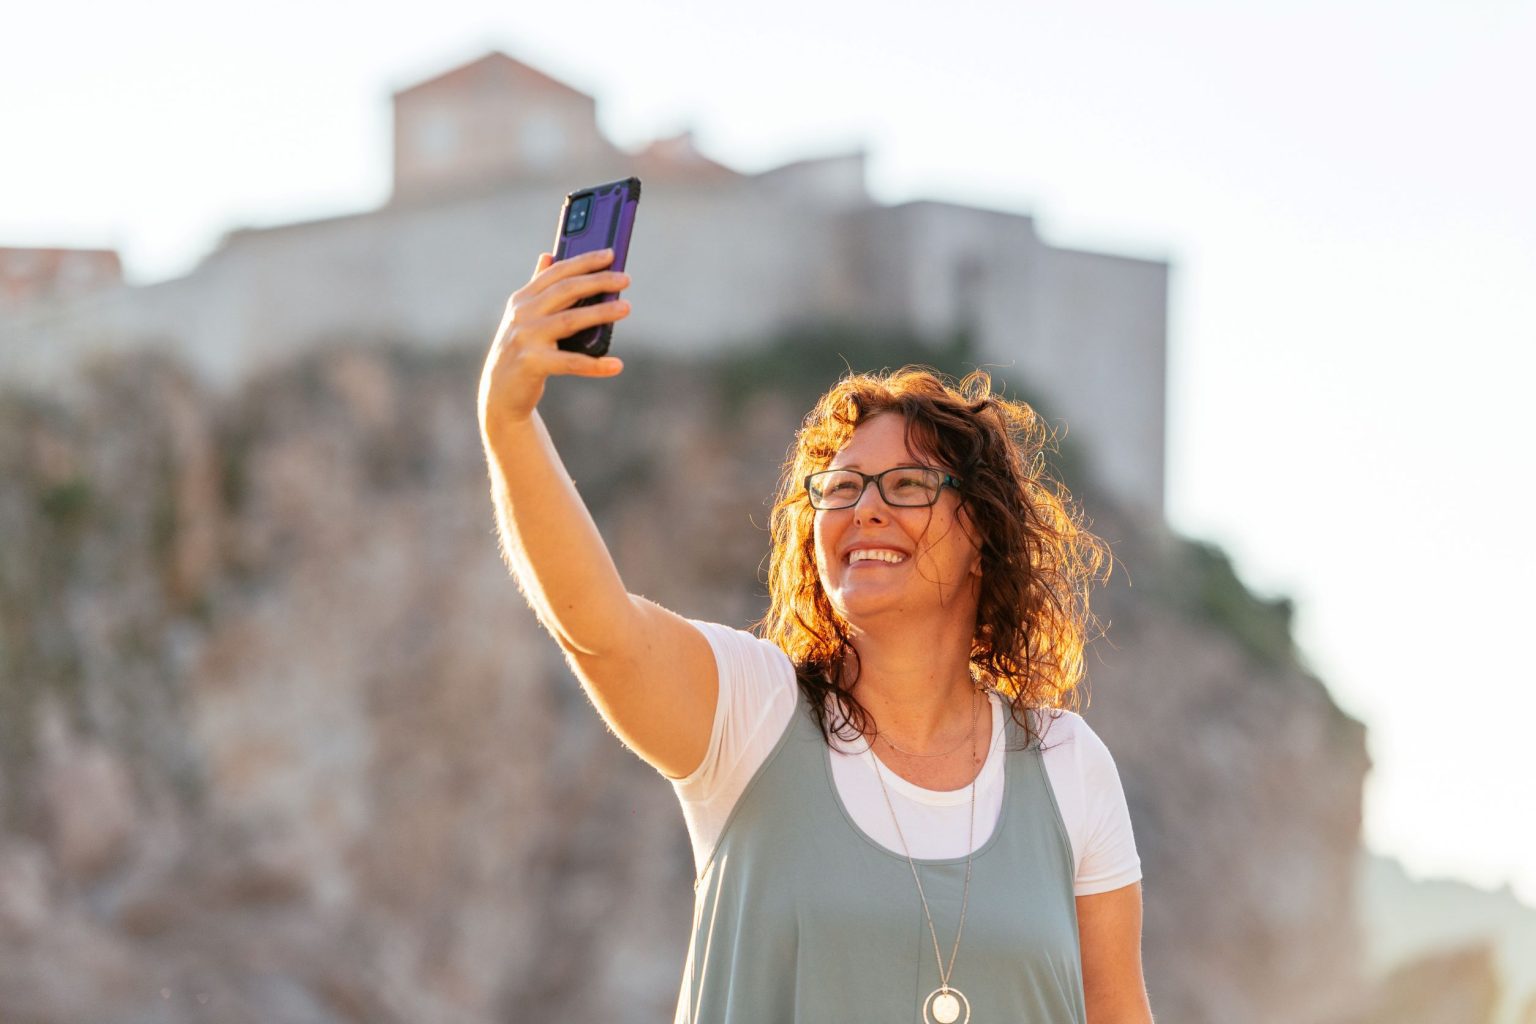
1454, 934
282, 742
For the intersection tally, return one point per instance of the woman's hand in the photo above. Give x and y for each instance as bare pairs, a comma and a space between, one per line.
526, 350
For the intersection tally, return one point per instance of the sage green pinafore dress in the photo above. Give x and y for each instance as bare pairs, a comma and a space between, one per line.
801, 918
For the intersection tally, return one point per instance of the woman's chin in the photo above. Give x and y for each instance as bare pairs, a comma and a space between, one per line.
856, 604
867, 605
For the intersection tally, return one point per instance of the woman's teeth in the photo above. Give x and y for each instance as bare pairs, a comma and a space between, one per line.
878, 554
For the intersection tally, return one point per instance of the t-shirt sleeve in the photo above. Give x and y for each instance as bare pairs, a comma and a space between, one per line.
756, 700
1109, 859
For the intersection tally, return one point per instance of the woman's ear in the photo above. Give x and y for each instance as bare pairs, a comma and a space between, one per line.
969, 526
974, 569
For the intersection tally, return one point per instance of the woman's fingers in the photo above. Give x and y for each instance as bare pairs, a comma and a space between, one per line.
554, 271
526, 329
554, 362
564, 324
572, 290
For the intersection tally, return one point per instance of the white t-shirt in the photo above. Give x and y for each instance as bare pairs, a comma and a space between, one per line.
759, 694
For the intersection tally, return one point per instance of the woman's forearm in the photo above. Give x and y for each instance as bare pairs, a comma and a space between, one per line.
549, 540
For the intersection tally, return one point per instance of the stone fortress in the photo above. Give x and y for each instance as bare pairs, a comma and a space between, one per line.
483, 155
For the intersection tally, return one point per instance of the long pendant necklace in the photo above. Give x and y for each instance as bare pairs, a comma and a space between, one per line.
944, 1003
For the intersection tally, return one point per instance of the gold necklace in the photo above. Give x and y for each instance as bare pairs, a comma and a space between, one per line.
944, 1002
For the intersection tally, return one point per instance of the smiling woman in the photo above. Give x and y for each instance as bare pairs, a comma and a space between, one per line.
870, 773
1035, 561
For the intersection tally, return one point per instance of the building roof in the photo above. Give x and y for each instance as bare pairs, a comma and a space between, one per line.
494, 67
678, 157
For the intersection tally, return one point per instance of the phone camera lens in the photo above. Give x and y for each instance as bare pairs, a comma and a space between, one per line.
576, 220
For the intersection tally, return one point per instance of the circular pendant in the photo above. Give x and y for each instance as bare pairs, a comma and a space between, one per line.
944, 1004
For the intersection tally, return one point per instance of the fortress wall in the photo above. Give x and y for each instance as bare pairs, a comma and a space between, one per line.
708, 261
716, 264
43, 345
1101, 354
1085, 333
935, 267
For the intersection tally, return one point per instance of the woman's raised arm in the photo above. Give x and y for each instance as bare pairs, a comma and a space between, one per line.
651, 674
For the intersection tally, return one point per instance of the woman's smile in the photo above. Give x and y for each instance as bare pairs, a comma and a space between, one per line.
872, 563
860, 557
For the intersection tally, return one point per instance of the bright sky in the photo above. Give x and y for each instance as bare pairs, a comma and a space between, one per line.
1344, 190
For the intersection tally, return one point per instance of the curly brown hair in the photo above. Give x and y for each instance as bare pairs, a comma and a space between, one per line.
1038, 559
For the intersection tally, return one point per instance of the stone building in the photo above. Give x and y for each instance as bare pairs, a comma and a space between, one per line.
482, 158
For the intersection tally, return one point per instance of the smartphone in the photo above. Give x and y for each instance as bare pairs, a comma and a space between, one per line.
600, 217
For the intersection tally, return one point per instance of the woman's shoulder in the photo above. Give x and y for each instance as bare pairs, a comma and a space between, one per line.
1071, 745
1056, 726
738, 651
1062, 728
756, 699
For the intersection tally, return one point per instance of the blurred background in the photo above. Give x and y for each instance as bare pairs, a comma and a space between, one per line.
279, 738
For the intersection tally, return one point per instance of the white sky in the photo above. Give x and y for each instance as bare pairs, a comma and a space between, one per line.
1344, 190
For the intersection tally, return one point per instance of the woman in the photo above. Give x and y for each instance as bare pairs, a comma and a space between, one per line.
889, 822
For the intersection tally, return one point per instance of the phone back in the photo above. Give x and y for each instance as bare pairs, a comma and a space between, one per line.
600, 217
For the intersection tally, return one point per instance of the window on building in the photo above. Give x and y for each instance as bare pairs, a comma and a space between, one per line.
542, 139
437, 135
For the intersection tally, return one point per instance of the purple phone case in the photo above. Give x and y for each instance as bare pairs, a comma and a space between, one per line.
608, 226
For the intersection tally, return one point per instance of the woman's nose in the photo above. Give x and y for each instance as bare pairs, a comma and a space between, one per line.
870, 505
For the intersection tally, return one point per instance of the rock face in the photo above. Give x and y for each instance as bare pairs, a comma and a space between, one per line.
1410, 920
1458, 986
282, 741
1244, 782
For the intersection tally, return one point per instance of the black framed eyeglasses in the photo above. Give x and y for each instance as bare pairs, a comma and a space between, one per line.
901, 486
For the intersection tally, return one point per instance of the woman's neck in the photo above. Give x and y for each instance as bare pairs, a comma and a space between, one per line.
917, 688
